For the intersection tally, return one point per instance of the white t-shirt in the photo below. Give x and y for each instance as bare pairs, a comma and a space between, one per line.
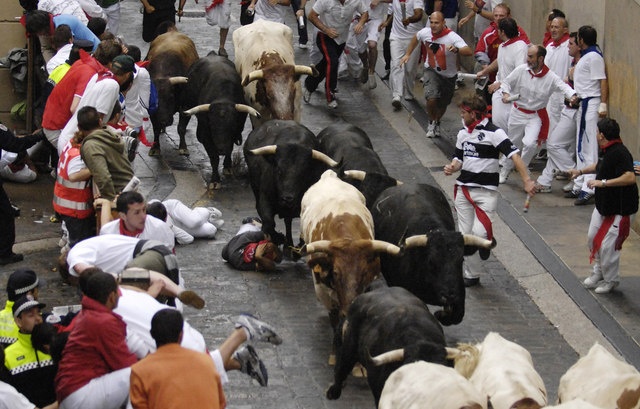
136, 101
10, 398
154, 229
378, 12
398, 30
59, 58
265, 11
109, 252
338, 16
443, 61
534, 91
56, 7
558, 59
102, 95
587, 75
509, 57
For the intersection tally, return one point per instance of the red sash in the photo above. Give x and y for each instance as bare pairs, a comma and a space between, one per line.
480, 214
623, 233
544, 117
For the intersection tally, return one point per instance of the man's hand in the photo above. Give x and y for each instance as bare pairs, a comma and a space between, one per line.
530, 187
149, 9
332, 33
602, 110
358, 28
494, 87
404, 60
300, 13
505, 98
451, 168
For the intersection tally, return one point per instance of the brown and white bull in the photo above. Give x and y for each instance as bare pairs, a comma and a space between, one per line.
265, 61
503, 371
425, 385
170, 57
602, 380
338, 230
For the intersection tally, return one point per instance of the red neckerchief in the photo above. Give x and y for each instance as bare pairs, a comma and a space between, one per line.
542, 72
562, 39
510, 41
213, 4
125, 232
475, 123
143, 64
610, 143
443, 33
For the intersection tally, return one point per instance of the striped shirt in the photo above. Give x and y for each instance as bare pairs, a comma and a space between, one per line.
479, 152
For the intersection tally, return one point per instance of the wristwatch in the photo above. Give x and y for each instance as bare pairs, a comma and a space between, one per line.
604, 182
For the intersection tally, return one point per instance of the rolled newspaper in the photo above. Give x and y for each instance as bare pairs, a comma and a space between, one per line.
132, 185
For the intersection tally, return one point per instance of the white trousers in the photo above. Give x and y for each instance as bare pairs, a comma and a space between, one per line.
500, 111
402, 79
607, 260
588, 153
113, 18
560, 146
523, 132
468, 223
555, 106
194, 221
109, 391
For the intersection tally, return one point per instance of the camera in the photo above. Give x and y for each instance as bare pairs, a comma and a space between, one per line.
130, 132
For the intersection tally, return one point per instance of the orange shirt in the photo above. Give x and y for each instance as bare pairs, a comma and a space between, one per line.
174, 378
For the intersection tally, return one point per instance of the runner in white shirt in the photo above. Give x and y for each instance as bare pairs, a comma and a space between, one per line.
271, 10
443, 46
511, 53
377, 11
559, 61
590, 83
528, 118
407, 21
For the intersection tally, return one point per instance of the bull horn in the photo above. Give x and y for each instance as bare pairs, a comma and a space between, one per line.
320, 245
396, 355
252, 76
178, 80
416, 241
471, 240
304, 69
265, 150
249, 110
323, 158
197, 109
355, 174
383, 246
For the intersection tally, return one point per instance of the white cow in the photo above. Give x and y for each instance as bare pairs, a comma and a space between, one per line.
424, 385
503, 370
265, 61
602, 380
574, 404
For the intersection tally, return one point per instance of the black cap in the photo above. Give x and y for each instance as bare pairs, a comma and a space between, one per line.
123, 63
25, 303
21, 282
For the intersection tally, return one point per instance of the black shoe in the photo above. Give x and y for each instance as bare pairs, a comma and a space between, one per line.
583, 198
11, 258
542, 155
572, 194
471, 282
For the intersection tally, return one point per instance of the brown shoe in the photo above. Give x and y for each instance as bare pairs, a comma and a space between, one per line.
189, 297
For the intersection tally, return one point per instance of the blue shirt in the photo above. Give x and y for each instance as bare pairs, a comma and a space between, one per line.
79, 30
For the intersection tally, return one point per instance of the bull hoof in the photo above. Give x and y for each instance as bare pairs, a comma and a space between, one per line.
334, 392
359, 371
227, 172
154, 151
183, 152
214, 186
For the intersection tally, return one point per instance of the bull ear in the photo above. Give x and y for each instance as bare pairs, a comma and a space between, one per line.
252, 76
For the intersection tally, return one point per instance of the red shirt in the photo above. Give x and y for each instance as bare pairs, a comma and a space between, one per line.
96, 347
490, 41
57, 111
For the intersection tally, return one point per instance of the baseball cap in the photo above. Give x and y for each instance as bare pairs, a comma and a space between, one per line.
123, 63
25, 303
21, 282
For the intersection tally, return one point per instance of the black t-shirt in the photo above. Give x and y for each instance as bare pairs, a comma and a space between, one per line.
623, 200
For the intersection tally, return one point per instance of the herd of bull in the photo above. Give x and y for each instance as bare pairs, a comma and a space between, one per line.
375, 283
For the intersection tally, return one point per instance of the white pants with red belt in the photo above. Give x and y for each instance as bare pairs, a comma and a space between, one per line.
523, 132
468, 223
606, 263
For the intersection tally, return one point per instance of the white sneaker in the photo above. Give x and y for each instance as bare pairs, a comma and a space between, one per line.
568, 187
592, 281
431, 133
333, 104
504, 174
606, 287
214, 213
436, 130
372, 81
304, 46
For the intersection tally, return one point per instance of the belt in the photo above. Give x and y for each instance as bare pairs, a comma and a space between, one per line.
544, 117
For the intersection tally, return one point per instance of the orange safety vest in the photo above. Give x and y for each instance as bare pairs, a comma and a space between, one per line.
73, 199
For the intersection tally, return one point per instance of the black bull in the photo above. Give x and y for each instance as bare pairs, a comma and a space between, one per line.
213, 93
279, 156
385, 319
431, 267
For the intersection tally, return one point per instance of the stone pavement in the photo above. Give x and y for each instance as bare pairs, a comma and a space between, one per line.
518, 297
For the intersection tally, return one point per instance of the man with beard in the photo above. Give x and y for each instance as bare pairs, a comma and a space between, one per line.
528, 119
102, 92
